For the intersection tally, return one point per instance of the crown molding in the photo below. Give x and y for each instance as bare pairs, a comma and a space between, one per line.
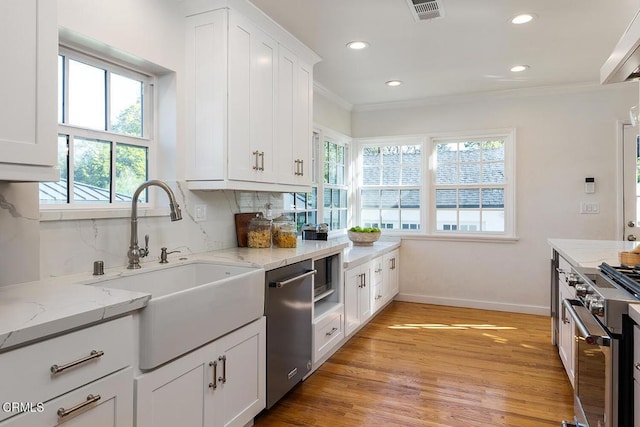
331, 96
502, 94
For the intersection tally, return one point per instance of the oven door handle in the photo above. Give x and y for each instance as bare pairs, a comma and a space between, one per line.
589, 328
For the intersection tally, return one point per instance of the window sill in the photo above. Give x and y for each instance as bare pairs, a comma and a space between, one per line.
457, 238
98, 213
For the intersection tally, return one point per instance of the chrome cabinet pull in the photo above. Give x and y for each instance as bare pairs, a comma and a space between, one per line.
282, 283
393, 267
301, 167
214, 384
56, 369
223, 378
261, 155
333, 331
255, 160
637, 365
66, 412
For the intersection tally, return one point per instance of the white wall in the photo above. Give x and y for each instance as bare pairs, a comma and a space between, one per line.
330, 114
563, 136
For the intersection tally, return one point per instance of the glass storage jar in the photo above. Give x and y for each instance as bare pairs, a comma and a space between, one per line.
259, 233
285, 234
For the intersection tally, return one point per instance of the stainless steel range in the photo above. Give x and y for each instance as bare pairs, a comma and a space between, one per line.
604, 348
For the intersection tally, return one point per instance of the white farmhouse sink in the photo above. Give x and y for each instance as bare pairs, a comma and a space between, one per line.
191, 304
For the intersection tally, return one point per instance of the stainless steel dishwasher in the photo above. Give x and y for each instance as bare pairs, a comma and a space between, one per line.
288, 303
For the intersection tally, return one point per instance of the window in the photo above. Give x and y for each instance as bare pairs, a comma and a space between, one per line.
335, 188
467, 189
390, 190
105, 127
470, 185
327, 202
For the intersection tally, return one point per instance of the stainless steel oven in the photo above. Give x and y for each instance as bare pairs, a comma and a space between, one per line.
595, 384
603, 355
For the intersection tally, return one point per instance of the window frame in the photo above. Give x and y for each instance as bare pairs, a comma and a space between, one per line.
149, 106
428, 187
508, 136
358, 178
318, 137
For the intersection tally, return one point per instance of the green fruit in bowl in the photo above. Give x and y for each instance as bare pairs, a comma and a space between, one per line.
358, 229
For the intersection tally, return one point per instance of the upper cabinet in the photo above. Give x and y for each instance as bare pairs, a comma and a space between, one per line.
249, 102
28, 128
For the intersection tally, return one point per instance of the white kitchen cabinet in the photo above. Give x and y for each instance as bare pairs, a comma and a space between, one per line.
391, 278
220, 384
249, 108
566, 328
357, 297
328, 332
28, 128
377, 284
107, 402
62, 372
295, 89
253, 62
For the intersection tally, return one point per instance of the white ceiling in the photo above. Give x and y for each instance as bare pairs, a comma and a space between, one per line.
469, 50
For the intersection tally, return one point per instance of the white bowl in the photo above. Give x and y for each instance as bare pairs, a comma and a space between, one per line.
363, 239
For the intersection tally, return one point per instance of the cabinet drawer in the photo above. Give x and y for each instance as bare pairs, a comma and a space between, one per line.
104, 403
29, 369
327, 333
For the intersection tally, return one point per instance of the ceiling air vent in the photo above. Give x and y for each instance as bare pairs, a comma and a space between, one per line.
423, 10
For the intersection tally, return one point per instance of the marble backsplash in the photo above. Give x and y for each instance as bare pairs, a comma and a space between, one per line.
33, 249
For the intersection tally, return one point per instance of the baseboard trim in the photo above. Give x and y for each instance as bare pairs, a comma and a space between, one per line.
484, 305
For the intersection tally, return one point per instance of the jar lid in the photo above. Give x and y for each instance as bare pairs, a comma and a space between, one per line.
283, 218
259, 220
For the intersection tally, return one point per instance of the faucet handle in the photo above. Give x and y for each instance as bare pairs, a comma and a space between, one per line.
144, 252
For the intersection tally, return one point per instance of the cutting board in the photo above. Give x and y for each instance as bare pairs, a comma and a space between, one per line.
242, 225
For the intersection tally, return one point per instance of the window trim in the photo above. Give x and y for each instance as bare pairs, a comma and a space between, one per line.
509, 137
427, 188
60, 211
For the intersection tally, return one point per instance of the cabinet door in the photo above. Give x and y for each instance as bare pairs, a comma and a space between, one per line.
287, 91
29, 43
391, 274
352, 283
364, 295
109, 403
240, 392
252, 102
303, 123
565, 334
377, 284
177, 394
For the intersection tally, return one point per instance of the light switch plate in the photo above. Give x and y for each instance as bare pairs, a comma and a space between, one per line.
589, 208
201, 213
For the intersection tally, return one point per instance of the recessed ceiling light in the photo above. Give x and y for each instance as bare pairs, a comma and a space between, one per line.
519, 68
522, 19
393, 83
357, 45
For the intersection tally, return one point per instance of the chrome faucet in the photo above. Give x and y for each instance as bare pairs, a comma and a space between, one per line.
135, 253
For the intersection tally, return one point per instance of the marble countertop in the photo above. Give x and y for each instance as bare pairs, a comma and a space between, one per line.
355, 255
31, 311
35, 310
589, 254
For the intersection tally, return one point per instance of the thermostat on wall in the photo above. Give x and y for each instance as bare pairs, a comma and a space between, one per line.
589, 185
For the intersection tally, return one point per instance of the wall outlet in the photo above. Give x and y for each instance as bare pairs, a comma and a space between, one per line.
589, 208
201, 213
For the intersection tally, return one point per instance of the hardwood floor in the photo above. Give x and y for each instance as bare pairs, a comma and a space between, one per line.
427, 365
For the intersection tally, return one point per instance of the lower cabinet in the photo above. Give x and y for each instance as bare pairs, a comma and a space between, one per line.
566, 328
327, 332
391, 279
107, 402
357, 297
220, 384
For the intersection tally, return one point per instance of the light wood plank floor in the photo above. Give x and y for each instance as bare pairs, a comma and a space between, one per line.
427, 365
